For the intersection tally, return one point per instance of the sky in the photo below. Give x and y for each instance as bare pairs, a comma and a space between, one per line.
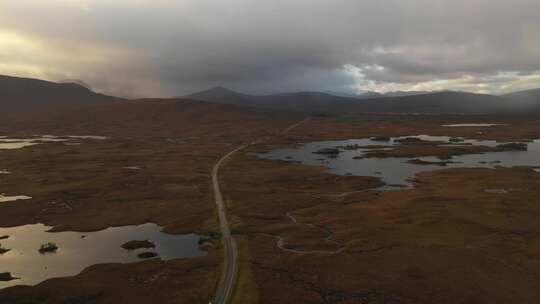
165, 48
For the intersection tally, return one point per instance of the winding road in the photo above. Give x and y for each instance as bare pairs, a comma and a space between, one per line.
230, 267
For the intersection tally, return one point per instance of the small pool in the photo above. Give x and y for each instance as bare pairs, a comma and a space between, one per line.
7, 143
4, 198
464, 125
78, 250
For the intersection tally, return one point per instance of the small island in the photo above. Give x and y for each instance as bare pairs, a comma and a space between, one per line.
48, 248
133, 245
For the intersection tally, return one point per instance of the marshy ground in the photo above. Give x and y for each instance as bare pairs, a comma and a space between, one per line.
447, 240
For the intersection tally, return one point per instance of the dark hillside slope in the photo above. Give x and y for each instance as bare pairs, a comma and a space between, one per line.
23, 95
316, 102
528, 100
175, 118
438, 103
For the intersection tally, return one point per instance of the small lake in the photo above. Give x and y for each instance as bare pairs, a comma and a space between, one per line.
464, 125
4, 198
397, 172
7, 143
78, 250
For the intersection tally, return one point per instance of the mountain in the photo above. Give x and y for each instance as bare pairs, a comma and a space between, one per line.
344, 94
524, 96
528, 100
20, 95
405, 102
439, 103
405, 93
24, 95
373, 95
300, 101
224, 96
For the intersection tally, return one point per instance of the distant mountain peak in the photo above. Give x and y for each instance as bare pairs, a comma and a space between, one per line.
27, 94
76, 81
220, 89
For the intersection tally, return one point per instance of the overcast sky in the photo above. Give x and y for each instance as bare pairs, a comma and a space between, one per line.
165, 48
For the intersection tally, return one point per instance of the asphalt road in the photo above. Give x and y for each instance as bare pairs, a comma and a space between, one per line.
226, 286
228, 277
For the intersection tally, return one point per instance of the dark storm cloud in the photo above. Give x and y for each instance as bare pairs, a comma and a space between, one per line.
166, 48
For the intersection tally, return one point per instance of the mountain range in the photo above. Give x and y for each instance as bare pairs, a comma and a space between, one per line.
447, 102
29, 95
23, 95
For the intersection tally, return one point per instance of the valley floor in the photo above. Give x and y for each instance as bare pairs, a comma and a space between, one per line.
448, 240
305, 236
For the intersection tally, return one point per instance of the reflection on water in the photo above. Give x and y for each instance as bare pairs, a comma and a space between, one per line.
88, 137
4, 198
473, 125
497, 191
18, 143
396, 171
77, 250
134, 168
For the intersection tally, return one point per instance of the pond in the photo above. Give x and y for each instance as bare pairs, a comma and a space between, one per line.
398, 172
7, 143
78, 250
4, 198
464, 125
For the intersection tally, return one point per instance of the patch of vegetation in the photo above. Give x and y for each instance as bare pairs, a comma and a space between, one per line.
350, 147
132, 245
366, 118
327, 151
417, 141
3, 250
48, 248
513, 146
417, 161
203, 240
6, 276
147, 255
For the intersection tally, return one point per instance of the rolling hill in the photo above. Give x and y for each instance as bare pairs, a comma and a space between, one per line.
426, 103
528, 100
23, 95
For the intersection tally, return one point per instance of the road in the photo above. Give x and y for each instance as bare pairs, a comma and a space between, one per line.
230, 267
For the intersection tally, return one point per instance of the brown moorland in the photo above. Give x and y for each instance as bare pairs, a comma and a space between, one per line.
449, 240
315, 237
154, 167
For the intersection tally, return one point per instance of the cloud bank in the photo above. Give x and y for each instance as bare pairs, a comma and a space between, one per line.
167, 48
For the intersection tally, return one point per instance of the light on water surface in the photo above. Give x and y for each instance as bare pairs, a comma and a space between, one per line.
78, 250
397, 172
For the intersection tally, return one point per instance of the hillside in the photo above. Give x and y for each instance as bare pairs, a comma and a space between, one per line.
23, 95
316, 102
178, 118
528, 100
